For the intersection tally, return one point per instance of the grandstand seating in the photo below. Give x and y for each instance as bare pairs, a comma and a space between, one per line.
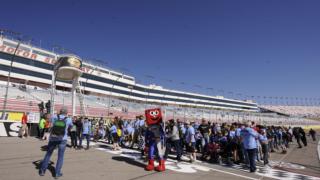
301, 111
23, 100
18, 100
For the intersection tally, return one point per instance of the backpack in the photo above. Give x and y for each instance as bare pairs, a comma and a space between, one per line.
58, 129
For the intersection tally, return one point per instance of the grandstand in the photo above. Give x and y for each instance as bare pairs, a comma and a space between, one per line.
18, 100
300, 111
35, 66
27, 99
107, 93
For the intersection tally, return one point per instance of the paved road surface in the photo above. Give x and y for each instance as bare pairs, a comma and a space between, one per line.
19, 159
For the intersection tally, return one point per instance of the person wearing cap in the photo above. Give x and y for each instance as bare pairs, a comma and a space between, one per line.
191, 141
57, 142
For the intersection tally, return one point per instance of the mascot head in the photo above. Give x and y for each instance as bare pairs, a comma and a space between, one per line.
153, 116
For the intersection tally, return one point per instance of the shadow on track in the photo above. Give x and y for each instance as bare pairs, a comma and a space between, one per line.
51, 168
129, 161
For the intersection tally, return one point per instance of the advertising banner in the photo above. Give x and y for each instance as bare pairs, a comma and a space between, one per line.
17, 116
11, 129
12, 116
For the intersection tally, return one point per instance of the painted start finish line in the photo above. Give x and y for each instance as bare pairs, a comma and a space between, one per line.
185, 167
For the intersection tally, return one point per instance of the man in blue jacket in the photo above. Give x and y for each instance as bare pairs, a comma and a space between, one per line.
248, 136
58, 137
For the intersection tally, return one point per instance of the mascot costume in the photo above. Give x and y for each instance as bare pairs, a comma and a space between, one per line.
155, 139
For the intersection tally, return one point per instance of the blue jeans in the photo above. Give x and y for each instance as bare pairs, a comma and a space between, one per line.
204, 143
176, 144
252, 159
87, 138
245, 154
51, 146
265, 151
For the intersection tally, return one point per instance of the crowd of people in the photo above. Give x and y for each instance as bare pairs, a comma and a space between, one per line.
81, 129
245, 143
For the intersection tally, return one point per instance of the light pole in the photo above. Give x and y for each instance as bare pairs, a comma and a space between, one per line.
121, 76
109, 102
53, 87
210, 89
174, 111
148, 93
131, 88
9, 74
57, 47
221, 91
231, 94
198, 86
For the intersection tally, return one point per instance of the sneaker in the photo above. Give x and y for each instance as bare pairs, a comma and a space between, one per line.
41, 173
58, 175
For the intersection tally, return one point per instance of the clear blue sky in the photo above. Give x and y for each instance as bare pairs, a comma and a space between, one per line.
266, 48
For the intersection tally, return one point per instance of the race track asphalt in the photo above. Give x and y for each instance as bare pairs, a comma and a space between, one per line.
20, 158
